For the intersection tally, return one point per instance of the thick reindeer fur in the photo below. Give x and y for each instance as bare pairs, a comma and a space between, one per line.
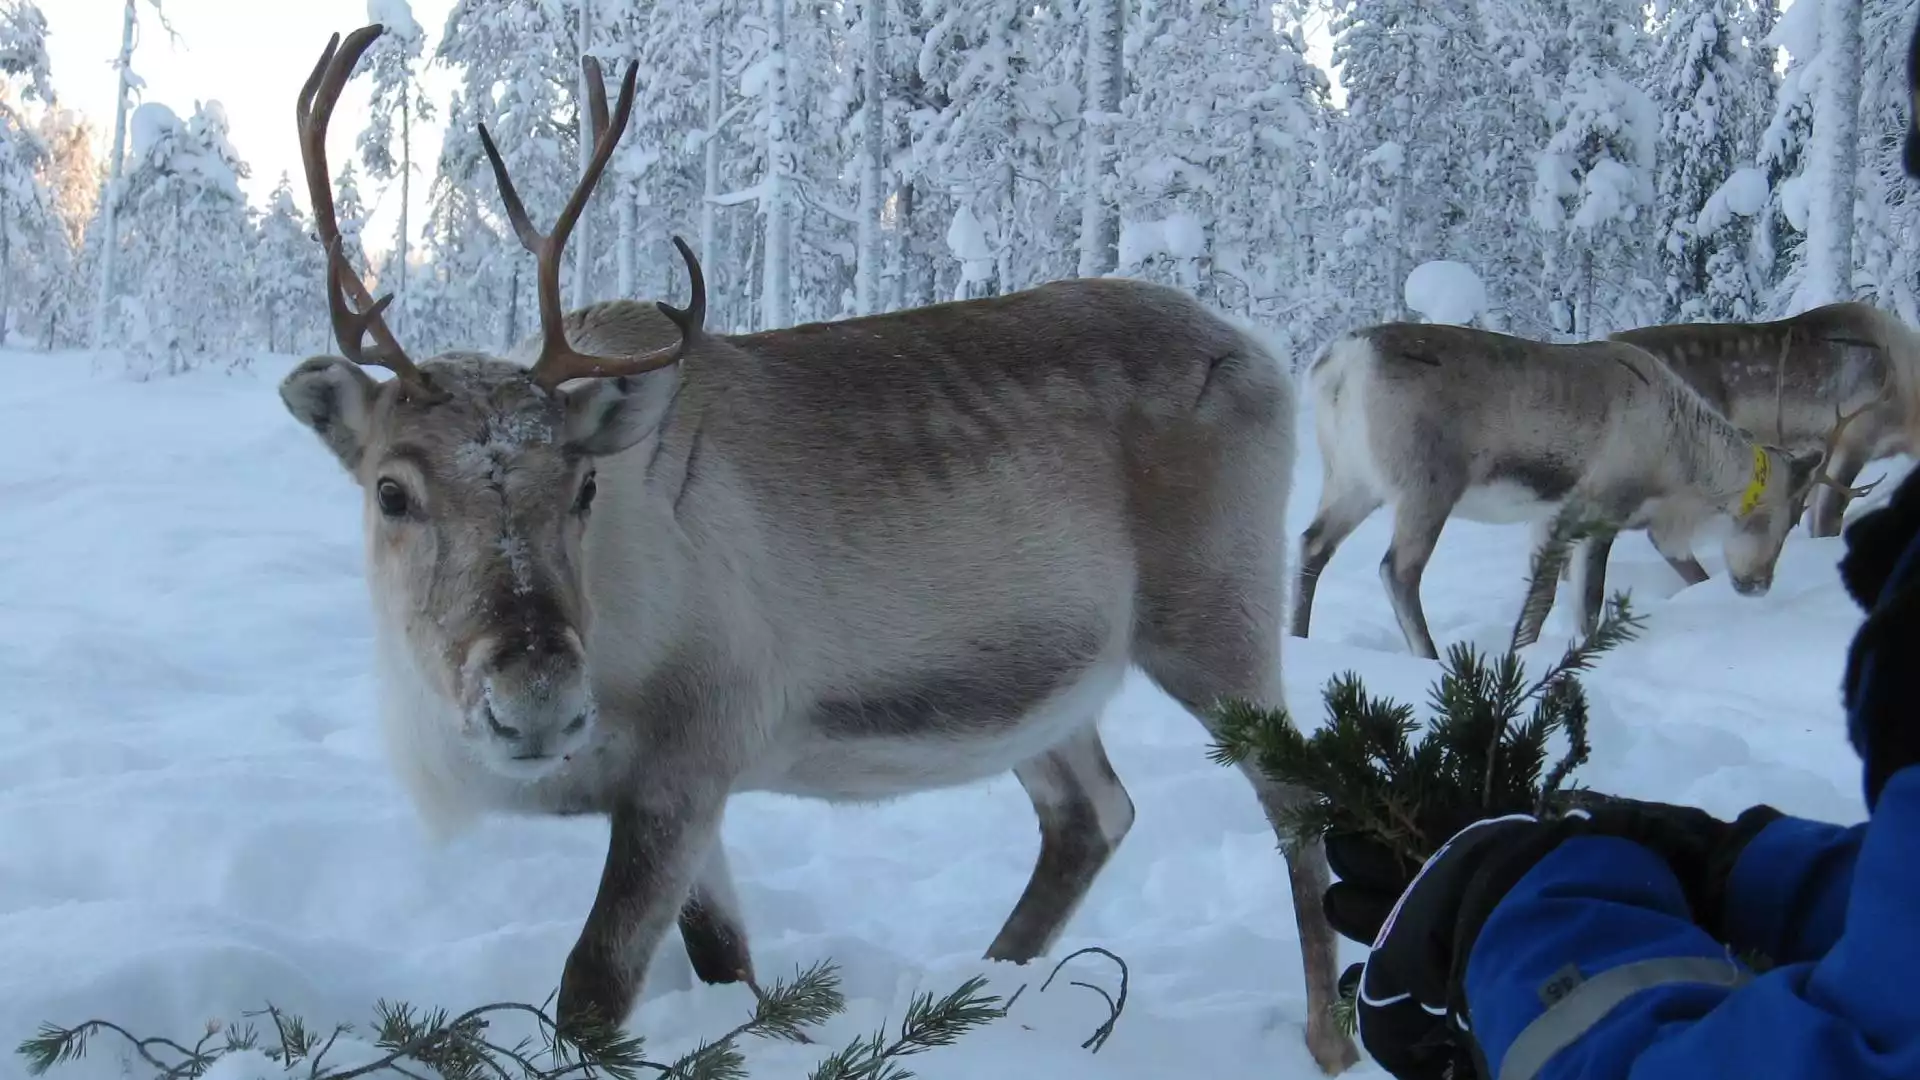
1837, 357
1438, 421
850, 561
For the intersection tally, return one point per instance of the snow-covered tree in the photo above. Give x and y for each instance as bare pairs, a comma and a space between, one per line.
1594, 184
288, 271
1779, 238
677, 156
1832, 158
396, 101
874, 145
185, 240
350, 213
1105, 23
1711, 87
1220, 155
519, 70
108, 246
1376, 46
1887, 233
470, 298
1432, 148
986, 146
72, 174
34, 250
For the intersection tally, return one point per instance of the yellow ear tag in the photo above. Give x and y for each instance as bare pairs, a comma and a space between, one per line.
1762, 469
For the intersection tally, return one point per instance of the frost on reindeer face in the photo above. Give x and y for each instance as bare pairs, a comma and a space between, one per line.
476, 511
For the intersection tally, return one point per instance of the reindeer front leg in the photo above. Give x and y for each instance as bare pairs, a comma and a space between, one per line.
655, 852
710, 925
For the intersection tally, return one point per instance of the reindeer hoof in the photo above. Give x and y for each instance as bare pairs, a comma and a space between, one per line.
1331, 1048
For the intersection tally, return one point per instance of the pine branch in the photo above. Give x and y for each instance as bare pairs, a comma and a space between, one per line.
430, 1045
1576, 522
1346, 1011
1483, 751
927, 1024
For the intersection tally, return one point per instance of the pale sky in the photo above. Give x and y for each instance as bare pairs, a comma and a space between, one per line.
252, 56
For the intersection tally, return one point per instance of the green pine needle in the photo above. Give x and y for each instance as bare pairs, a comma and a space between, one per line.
462, 1047
1374, 768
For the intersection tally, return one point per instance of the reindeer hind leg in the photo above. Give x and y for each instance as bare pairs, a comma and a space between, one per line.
1084, 813
1417, 521
1342, 509
1215, 636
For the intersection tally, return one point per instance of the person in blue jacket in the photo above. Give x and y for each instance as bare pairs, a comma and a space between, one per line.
1647, 941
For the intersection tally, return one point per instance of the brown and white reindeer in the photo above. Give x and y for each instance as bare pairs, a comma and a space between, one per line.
849, 561
1787, 380
1440, 421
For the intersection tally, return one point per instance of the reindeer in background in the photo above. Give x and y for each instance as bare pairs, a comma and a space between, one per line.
1789, 380
1441, 421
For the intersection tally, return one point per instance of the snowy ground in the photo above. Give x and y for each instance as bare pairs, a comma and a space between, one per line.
194, 817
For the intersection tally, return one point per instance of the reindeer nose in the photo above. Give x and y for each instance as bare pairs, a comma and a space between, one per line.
534, 706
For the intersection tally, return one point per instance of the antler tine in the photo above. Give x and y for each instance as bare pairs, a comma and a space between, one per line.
1841, 420
530, 237
691, 319
596, 96
559, 361
313, 110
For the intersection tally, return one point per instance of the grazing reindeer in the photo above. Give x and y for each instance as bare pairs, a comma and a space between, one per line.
1787, 380
1441, 420
848, 561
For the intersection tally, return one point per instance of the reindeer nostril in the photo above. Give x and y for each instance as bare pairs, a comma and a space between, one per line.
578, 723
503, 730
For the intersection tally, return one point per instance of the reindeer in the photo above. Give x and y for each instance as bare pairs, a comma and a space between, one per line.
1442, 420
848, 561
1789, 379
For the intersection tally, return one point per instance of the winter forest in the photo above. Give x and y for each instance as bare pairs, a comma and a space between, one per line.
1598, 164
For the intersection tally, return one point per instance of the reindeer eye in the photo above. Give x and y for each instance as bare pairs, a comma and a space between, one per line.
585, 499
392, 498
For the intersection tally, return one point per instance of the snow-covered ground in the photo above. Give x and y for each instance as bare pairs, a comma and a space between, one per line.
195, 817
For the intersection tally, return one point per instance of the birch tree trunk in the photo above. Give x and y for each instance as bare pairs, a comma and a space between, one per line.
1835, 153
400, 245
582, 239
776, 304
1100, 219
866, 282
110, 197
629, 221
6, 269
710, 188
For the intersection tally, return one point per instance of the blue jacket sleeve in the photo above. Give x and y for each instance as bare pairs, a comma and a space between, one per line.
1787, 895
1591, 968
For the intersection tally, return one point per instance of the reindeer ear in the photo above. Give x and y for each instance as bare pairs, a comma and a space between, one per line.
606, 416
334, 397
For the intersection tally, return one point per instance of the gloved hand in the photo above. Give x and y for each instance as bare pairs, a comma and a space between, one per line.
1881, 570
1421, 922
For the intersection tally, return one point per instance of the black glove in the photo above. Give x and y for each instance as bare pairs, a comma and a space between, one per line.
1422, 922
1882, 680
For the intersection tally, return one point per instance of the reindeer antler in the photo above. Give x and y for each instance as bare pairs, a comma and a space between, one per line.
350, 327
558, 360
1841, 420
